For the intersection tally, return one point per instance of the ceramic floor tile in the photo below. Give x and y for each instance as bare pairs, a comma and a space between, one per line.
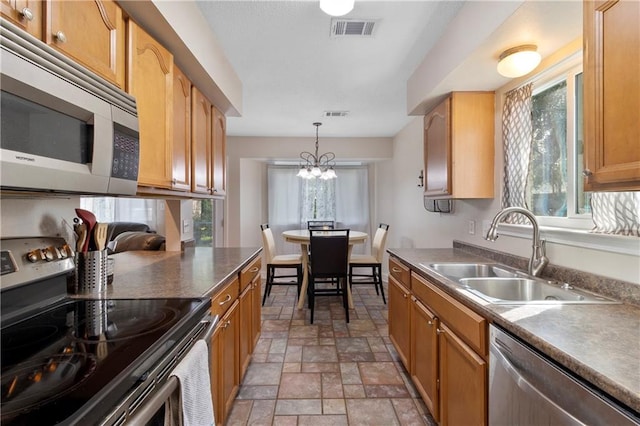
379, 373
328, 420
319, 354
300, 385
327, 373
371, 412
298, 406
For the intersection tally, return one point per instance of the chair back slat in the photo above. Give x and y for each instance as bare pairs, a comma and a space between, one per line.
321, 224
268, 243
379, 241
329, 252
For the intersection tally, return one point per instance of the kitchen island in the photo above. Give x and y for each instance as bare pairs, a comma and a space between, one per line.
598, 342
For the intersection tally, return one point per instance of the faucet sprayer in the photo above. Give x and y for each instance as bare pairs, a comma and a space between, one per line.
538, 259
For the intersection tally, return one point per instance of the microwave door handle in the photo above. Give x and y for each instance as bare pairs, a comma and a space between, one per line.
530, 389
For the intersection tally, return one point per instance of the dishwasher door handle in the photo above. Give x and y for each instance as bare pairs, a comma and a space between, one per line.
527, 387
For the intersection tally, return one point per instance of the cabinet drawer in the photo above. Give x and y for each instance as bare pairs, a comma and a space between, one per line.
469, 326
249, 272
399, 272
223, 300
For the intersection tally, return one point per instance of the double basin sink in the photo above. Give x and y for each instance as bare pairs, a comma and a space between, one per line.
500, 284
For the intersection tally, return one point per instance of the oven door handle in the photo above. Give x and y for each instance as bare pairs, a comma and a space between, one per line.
146, 412
213, 323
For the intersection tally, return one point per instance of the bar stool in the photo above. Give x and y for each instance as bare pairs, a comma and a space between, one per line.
373, 262
282, 261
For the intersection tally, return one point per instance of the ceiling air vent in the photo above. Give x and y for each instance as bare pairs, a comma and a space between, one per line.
352, 27
335, 113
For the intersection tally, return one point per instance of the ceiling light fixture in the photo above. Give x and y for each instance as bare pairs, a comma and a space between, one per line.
317, 166
518, 61
336, 7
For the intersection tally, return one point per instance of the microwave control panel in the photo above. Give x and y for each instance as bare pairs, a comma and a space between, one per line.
126, 156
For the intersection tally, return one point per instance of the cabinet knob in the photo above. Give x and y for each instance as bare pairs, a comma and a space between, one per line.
587, 173
27, 14
430, 322
61, 37
439, 331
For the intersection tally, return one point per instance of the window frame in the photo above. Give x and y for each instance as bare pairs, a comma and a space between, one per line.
572, 230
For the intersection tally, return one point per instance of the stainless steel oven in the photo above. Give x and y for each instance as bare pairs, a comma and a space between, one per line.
85, 361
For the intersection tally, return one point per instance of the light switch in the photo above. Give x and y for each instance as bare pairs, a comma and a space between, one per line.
472, 227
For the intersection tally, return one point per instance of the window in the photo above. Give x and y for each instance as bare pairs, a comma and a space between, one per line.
554, 189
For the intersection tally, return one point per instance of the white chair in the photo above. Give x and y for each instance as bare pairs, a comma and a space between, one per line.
282, 261
373, 262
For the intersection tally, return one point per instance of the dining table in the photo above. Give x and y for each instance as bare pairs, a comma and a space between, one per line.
301, 236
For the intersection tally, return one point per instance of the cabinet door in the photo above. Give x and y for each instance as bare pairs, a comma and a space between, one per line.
218, 142
230, 369
463, 382
26, 14
399, 320
256, 312
246, 334
181, 175
437, 151
150, 80
611, 95
90, 32
200, 142
215, 372
424, 355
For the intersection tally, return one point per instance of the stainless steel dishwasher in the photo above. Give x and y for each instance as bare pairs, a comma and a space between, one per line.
527, 389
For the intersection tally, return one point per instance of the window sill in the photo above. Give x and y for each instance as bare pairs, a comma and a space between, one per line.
621, 244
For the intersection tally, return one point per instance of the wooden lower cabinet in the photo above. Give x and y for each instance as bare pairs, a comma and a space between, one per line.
443, 345
246, 324
424, 355
399, 320
463, 382
225, 363
256, 312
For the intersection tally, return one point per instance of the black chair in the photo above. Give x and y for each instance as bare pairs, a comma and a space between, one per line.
321, 224
329, 261
372, 262
282, 261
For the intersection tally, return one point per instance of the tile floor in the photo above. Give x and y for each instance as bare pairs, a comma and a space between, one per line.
329, 372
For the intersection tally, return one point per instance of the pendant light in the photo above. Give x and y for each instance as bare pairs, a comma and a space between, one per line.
317, 166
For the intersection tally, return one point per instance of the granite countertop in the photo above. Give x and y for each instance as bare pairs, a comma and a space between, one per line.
600, 343
197, 272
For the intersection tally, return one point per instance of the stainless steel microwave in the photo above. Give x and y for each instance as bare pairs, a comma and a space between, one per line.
64, 128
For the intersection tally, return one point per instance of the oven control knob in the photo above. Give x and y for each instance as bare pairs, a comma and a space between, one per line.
51, 253
34, 255
65, 251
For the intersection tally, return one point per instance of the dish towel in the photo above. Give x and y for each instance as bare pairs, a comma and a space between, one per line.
195, 386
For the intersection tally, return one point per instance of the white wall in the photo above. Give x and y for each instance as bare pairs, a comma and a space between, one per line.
412, 226
35, 217
246, 202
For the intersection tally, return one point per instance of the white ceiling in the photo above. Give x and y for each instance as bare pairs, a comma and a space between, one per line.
292, 70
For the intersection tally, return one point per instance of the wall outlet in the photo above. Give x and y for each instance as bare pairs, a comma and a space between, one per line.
472, 227
186, 226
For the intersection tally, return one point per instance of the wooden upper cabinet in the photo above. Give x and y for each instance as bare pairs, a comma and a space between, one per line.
459, 147
219, 142
200, 142
181, 131
611, 95
150, 80
26, 14
90, 32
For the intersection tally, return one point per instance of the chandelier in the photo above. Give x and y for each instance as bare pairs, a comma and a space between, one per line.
317, 166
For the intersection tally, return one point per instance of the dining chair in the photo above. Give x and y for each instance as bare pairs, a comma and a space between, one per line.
372, 262
281, 261
321, 224
329, 260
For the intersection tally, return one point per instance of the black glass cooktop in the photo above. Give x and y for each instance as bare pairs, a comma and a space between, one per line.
77, 359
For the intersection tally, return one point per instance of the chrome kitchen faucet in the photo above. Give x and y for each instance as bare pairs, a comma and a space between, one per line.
538, 259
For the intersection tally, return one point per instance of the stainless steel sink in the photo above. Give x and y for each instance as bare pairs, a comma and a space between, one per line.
457, 271
501, 284
526, 290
